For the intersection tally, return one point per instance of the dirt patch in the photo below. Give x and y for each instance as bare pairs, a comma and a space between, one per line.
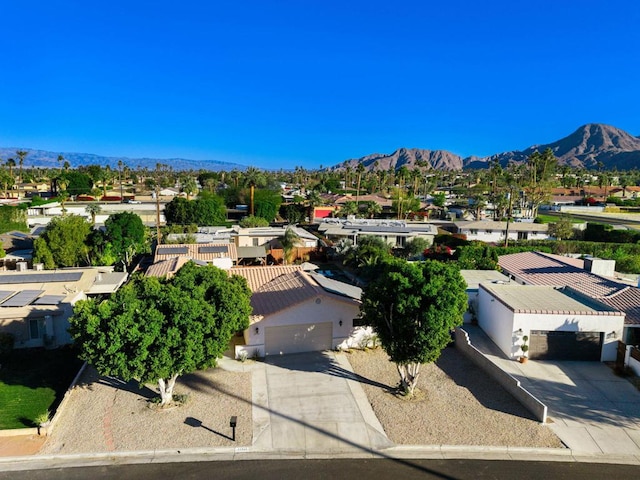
457, 404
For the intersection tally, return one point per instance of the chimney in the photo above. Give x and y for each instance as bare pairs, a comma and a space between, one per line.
600, 266
21, 266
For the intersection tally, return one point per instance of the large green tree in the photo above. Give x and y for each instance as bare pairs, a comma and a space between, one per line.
153, 330
208, 209
413, 307
63, 243
267, 203
126, 233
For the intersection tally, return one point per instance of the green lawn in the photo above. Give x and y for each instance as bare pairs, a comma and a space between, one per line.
33, 381
554, 218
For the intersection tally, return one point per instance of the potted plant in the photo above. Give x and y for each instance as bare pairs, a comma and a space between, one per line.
525, 348
43, 420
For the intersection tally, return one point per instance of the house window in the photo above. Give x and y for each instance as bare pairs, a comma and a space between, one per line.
401, 242
523, 235
474, 232
34, 330
359, 322
256, 242
489, 231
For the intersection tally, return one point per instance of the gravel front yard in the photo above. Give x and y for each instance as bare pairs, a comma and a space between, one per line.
457, 404
105, 415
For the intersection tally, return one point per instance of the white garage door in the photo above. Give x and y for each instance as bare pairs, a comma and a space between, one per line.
306, 337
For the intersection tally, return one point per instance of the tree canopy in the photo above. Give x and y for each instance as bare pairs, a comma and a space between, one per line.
126, 233
154, 330
413, 307
267, 204
208, 209
63, 243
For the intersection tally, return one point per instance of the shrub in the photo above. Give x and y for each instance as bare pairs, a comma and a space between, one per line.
7, 341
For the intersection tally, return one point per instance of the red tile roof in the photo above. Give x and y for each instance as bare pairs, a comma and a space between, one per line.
259, 276
536, 268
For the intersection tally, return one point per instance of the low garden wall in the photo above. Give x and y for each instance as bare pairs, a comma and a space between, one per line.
509, 383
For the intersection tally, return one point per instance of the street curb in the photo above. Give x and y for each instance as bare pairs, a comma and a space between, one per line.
406, 452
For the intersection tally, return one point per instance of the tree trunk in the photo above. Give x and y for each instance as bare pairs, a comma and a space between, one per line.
166, 389
409, 373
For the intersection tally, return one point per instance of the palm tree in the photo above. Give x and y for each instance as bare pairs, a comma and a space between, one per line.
348, 208
189, 186
359, 170
373, 209
11, 163
288, 242
60, 162
253, 178
63, 195
21, 155
93, 209
313, 200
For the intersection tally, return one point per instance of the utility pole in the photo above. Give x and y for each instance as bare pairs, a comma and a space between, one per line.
157, 191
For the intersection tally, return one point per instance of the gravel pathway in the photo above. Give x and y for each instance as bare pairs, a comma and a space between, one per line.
104, 415
457, 404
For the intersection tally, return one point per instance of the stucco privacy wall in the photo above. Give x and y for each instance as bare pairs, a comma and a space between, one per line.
509, 383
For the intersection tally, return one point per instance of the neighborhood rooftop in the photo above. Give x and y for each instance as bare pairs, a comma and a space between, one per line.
536, 268
545, 300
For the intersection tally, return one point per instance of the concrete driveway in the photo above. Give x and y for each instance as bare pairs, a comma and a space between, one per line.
590, 408
312, 402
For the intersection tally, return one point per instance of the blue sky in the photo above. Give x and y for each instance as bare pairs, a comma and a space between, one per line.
275, 84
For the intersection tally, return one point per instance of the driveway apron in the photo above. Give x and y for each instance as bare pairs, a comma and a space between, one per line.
590, 408
315, 404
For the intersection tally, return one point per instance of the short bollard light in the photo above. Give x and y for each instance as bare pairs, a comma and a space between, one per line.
232, 423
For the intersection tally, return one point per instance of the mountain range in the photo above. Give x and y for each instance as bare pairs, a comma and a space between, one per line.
46, 159
590, 146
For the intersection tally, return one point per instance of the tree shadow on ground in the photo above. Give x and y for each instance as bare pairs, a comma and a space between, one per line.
323, 362
91, 377
484, 388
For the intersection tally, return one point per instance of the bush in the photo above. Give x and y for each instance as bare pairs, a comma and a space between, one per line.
7, 341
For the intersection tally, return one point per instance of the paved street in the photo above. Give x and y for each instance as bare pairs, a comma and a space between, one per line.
404, 469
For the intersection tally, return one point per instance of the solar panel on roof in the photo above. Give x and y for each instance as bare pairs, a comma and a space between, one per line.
49, 300
172, 250
11, 278
4, 294
22, 299
214, 249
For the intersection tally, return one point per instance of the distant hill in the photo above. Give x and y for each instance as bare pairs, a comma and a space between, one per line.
46, 159
408, 157
586, 147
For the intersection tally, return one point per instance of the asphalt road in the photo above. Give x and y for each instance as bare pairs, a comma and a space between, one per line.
631, 224
338, 469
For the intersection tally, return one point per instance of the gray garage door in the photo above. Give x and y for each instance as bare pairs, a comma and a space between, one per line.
549, 345
306, 337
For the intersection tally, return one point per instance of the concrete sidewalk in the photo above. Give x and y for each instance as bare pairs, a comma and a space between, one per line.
592, 410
